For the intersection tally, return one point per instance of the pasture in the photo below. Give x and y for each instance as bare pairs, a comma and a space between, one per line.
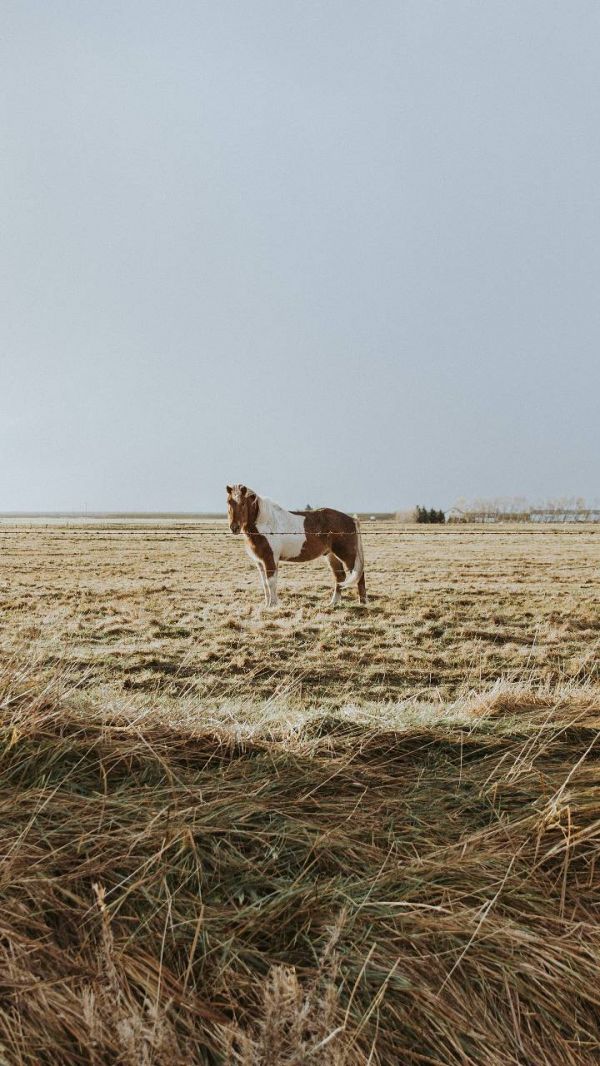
171, 615
308, 835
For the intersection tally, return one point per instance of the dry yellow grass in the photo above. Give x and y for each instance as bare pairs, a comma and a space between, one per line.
420, 888
169, 612
352, 837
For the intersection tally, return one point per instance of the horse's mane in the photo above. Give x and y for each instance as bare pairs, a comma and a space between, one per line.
268, 507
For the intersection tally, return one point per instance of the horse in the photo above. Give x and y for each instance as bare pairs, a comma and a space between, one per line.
274, 535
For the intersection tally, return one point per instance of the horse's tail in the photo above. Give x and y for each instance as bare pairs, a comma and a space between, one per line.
359, 562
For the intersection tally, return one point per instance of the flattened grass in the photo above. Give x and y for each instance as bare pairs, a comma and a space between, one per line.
302, 887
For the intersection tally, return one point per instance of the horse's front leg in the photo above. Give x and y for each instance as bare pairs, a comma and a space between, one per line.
263, 582
271, 586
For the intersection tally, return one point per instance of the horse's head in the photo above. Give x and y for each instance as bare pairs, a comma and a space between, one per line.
242, 508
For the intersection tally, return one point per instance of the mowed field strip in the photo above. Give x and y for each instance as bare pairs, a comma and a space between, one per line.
174, 612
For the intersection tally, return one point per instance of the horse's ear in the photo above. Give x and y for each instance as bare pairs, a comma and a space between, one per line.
243, 490
229, 489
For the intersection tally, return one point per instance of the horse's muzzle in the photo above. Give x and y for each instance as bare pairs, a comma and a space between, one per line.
234, 527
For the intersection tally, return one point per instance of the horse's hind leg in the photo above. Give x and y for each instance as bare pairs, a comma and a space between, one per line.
339, 574
345, 549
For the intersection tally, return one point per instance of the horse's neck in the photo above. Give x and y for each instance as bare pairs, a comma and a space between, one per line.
273, 515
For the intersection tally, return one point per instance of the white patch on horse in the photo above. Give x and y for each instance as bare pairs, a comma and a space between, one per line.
284, 531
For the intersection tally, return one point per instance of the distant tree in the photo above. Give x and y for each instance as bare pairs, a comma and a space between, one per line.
308, 507
430, 515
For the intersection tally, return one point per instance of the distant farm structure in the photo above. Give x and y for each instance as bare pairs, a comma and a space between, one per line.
539, 515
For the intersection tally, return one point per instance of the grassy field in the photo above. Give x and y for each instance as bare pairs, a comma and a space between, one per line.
175, 613
343, 837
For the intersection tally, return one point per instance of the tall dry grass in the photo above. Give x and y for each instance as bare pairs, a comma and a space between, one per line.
328, 889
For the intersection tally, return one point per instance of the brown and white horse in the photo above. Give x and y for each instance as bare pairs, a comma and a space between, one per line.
274, 535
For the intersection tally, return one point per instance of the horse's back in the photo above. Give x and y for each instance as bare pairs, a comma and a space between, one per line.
326, 520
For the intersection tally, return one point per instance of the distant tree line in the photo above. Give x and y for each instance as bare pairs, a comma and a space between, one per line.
424, 514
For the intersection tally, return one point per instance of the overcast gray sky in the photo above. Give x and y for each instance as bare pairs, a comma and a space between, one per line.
346, 252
